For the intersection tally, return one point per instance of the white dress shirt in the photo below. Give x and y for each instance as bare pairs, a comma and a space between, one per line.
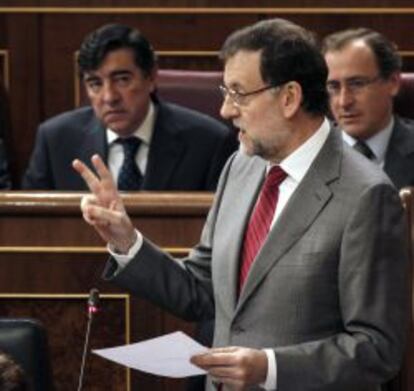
116, 151
296, 165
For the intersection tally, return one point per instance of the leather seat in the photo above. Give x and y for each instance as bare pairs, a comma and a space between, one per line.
197, 90
404, 101
25, 340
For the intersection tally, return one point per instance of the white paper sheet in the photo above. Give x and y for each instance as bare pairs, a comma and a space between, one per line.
168, 355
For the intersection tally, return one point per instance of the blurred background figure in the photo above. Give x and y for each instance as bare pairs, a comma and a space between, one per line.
12, 377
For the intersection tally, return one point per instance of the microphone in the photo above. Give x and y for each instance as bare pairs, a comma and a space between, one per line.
93, 302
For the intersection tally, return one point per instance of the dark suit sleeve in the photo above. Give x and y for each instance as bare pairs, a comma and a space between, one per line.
182, 287
373, 280
4, 170
38, 175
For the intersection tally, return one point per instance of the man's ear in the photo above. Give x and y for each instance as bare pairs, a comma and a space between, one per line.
152, 78
394, 82
291, 98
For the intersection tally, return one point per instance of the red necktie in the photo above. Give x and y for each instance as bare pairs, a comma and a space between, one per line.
260, 220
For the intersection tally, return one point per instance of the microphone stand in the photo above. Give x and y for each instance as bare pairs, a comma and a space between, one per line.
92, 308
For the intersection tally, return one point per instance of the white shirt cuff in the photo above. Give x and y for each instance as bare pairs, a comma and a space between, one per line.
123, 259
271, 377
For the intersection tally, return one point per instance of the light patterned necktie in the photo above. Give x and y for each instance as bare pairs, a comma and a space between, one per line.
260, 220
129, 178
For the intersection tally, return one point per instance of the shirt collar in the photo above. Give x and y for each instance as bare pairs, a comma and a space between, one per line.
297, 164
378, 143
145, 130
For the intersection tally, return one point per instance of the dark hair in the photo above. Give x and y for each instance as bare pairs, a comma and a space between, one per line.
111, 37
12, 377
385, 51
288, 53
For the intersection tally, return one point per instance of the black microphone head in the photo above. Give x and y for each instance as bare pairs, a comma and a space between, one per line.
93, 300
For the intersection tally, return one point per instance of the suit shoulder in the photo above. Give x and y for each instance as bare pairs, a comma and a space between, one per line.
192, 120
404, 126
361, 172
400, 151
69, 119
405, 122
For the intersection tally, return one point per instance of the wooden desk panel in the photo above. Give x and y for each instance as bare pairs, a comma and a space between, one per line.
172, 219
50, 259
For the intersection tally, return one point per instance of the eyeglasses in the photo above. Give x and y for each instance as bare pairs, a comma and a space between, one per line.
240, 98
353, 85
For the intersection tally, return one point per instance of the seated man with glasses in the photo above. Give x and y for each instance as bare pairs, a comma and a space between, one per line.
364, 77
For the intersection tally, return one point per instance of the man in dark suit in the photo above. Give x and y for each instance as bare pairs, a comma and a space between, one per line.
179, 149
302, 259
364, 77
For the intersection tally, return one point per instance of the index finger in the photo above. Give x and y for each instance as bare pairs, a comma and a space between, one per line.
86, 173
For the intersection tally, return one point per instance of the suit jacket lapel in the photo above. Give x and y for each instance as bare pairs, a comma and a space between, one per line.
241, 194
91, 139
93, 142
165, 151
304, 206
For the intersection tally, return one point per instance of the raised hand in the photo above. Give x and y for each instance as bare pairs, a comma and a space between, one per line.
237, 368
103, 208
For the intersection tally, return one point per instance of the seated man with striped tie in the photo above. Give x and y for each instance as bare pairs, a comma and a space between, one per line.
364, 77
148, 144
302, 258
